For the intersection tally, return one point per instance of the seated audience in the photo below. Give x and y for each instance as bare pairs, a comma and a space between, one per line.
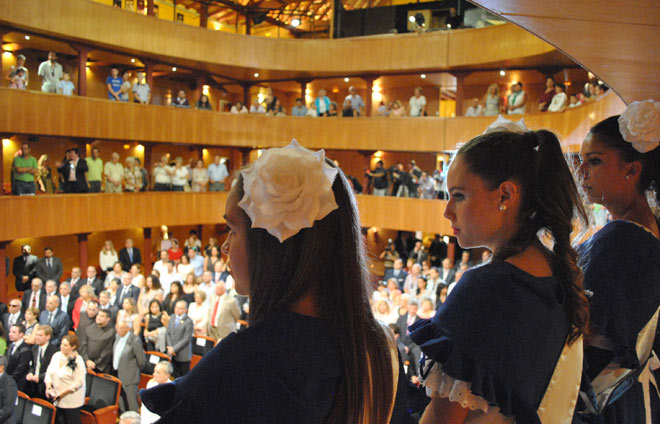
559, 101
475, 108
162, 374
181, 100
203, 103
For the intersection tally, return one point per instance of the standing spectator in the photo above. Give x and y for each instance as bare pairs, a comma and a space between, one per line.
200, 177
42, 353
73, 171
299, 109
415, 174
49, 267
239, 107
19, 355
25, 169
198, 311
93, 280
217, 175
417, 104
403, 180
108, 256
96, 346
24, 268
223, 312
492, 100
35, 297
162, 373
162, 180
311, 111
181, 100
398, 110
125, 87
175, 253
50, 73
560, 100
44, 178
475, 108
127, 361
179, 174
257, 107
58, 320
8, 394
203, 103
94, 171
278, 110
75, 282
547, 95
384, 109
333, 109
13, 316
196, 260
141, 90
353, 102
114, 84
426, 187
454, 20
114, 174
144, 175
179, 339
66, 301
127, 291
65, 86
20, 65
129, 255
65, 381
132, 176
322, 103
271, 101
412, 350
18, 80
379, 176
517, 100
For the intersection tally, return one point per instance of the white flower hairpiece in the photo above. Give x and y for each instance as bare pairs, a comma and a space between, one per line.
639, 124
287, 189
503, 124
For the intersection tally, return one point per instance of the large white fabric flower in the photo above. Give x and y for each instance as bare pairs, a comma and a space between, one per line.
287, 189
640, 125
503, 124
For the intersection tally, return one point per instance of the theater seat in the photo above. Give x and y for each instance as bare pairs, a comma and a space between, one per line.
195, 359
103, 404
153, 358
202, 344
38, 411
20, 405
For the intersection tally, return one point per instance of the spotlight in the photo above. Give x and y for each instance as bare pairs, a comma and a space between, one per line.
295, 22
347, 79
173, 68
27, 37
423, 76
502, 73
132, 60
411, 18
256, 74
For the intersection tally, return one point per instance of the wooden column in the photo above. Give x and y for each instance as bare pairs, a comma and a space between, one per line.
451, 251
4, 31
2, 163
246, 94
148, 148
82, 250
460, 91
199, 229
369, 95
204, 15
199, 89
303, 88
83, 52
4, 285
149, 74
146, 251
248, 24
150, 8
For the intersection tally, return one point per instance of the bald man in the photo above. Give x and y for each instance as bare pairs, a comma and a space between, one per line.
58, 320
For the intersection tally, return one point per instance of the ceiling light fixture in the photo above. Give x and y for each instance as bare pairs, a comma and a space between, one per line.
174, 69
132, 60
256, 74
27, 37
295, 22
423, 76
347, 79
502, 73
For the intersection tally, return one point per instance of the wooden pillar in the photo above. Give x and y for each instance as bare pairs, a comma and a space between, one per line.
3, 31
451, 251
2, 163
246, 94
369, 95
199, 229
146, 251
4, 286
149, 74
460, 91
248, 24
199, 89
245, 158
204, 15
150, 8
82, 250
83, 52
147, 157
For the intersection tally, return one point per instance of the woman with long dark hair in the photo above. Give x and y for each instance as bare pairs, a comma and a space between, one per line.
313, 352
621, 171
506, 345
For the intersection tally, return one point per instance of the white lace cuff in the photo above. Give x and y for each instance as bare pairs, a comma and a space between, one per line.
455, 390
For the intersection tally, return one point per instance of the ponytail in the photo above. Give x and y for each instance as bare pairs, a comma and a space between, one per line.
549, 202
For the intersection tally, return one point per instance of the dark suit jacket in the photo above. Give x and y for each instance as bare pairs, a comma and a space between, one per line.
8, 395
21, 268
125, 259
97, 283
402, 323
27, 296
19, 364
5, 324
60, 325
75, 289
131, 361
69, 308
81, 168
46, 273
133, 292
45, 360
399, 278
451, 275
180, 337
97, 346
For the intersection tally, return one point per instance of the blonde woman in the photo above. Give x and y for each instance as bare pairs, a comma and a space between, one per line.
200, 177
132, 176
397, 110
44, 176
492, 100
108, 256
129, 315
198, 311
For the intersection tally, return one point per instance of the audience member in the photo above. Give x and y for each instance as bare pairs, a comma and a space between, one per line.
94, 171
51, 288
212, 258
217, 174
179, 339
162, 180
86, 295
18, 355
65, 86
50, 73
448, 273
200, 177
560, 100
517, 100
132, 176
73, 171
475, 108
239, 107
175, 253
65, 381
113, 289
42, 353
413, 352
397, 273
130, 417
44, 177
154, 327
114, 174
354, 103
93, 280
454, 20
25, 168
299, 109
162, 374
49, 267
492, 100
31, 323
24, 268
410, 283
129, 255
271, 101
311, 111
198, 311
426, 187
114, 84
151, 291
8, 394
127, 290
398, 110
181, 100
173, 295
127, 361
548, 94
159, 265
573, 101
18, 80
224, 312
106, 304
96, 346
179, 174
333, 109
141, 90
402, 181
20, 65
257, 107
322, 103
417, 104
66, 302
196, 260
203, 103
379, 176
53, 316
35, 296
108, 258
75, 281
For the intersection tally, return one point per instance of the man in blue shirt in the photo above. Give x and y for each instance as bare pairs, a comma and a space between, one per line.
355, 101
197, 261
114, 84
299, 109
217, 175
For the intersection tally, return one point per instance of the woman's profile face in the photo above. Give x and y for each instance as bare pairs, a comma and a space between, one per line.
235, 246
602, 172
472, 208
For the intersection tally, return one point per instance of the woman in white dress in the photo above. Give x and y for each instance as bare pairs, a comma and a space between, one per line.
492, 100
200, 177
198, 311
108, 256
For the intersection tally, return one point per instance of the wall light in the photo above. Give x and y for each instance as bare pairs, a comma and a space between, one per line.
256, 74
206, 89
173, 68
378, 154
7, 53
139, 148
295, 22
423, 76
502, 73
347, 79
6, 142
27, 37
132, 60
127, 146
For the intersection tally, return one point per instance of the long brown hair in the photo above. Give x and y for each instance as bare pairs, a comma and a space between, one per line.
549, 201
328, 261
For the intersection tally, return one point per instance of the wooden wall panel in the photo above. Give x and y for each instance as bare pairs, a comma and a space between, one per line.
57, 215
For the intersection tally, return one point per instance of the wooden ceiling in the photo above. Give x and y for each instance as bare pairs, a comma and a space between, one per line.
617, 40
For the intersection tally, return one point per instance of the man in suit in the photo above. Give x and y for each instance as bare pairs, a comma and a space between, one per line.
66, 301
87, 318
57, 319
413, 351
19, 355
49, 267
73, 171
51, 287
35, 297
96, 346
92, 280
24, 268
418, 253
223, 312
13, 316
8, 395
447, 273
397, 273
75, 282
127, 289
105, 304
127, 362
129, 256
42, 353
179, 339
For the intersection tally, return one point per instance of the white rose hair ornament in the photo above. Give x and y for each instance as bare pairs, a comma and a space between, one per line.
287, 189
639, 124
503, 124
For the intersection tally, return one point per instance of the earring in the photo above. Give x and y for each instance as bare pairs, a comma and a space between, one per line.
502, 207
